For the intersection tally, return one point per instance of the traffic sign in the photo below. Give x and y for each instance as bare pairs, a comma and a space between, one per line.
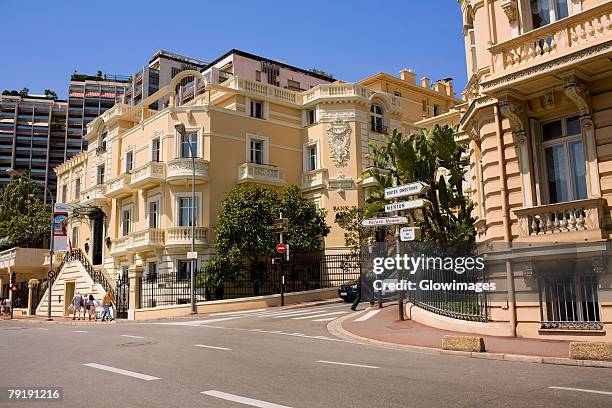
281, 248
407, 205
192, 255
375, 222
13, 288
51, 274
280, 225
409, 233
406, 190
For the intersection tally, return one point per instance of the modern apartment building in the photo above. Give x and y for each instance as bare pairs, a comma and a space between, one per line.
33, 136
134, 193
539, 126
89, 96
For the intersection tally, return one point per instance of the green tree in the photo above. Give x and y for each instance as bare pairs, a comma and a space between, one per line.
306, 222
321, 72
437, 159
24, 219
50, 93
355, 234
24, 92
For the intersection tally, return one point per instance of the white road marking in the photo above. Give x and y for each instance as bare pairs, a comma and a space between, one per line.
196, 323
319, 315
212, 347
80, 331
581, 390
327, 319
367, 315
346, 364
132, 337
242, 400
238, 312
42, 328
122, 372
277, 332
302, 313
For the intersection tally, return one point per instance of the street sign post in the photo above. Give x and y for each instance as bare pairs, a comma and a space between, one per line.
407, 205
376, 222
281, 248
406, 190
280, 225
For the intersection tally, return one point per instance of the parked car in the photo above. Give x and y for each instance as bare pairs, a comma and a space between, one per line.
348, 291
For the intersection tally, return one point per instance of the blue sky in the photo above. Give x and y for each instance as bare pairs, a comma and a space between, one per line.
45, 41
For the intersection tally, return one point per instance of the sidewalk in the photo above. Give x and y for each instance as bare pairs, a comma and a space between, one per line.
385, 327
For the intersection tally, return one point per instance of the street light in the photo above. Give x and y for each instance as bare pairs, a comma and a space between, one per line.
180, 128
14, 173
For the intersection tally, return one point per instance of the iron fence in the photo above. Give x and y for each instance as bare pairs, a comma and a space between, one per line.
302, 272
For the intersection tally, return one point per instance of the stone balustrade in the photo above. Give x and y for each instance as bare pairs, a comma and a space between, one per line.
150, 173
182, 236
261, 173
180, 170
314, 179
94, 196
119, 186
563, 221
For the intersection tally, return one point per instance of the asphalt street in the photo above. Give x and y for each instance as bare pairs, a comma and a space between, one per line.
270, 359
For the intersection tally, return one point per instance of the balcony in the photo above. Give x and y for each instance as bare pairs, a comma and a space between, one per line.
148, 239
182, 236
94, 196
261, 173
570, 35
150, 174
119, 186
120, 246
572, 221
180, 171
314, 180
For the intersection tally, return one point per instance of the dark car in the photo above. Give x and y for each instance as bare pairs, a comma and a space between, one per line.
348, 291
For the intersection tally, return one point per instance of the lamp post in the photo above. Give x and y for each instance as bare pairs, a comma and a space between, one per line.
180, 128
14, 173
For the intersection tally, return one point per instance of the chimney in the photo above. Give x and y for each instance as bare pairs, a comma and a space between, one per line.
448, 84
408, 76
425, 82
438, 87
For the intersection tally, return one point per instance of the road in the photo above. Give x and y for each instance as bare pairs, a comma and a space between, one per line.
269, 359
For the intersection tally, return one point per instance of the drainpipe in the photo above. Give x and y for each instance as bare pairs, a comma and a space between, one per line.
505, 206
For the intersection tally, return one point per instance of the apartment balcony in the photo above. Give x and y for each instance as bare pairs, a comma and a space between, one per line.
119, 246
572, 221
148, 175
577, 40
180, 171
261, 173
119, 186
314, 180
94, 196
181, 236
138, 241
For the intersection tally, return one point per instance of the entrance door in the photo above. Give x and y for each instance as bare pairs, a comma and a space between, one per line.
68, 295
98, 235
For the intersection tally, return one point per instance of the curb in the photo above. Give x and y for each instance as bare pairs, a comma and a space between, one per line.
336, 329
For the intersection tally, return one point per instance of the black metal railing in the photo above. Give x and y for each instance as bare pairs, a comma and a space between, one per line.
302, 272
21, 295
96, 275
38, 292
375, 127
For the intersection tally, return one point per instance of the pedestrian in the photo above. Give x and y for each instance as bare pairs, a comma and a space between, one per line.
77, 303
357, 291
91, 307
107, 302
84, 305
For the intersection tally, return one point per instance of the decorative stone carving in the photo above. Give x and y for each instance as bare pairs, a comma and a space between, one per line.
513, 110
578, 93
339, 142
548, 100
511, 10
599, 264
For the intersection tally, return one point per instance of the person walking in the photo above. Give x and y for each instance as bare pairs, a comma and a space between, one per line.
77, 303
357, 295
84, 305
107, 302
91, 307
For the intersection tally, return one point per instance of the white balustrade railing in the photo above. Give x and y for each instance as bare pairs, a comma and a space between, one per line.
182, 235
261, 172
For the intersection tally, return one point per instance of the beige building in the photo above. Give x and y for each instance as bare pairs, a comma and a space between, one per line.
132, 187
539, 125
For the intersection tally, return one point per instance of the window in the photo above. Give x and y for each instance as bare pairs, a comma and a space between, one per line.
544, 12
64, 193
126, 220
378, 120
258, 76
437, 110
102, 142
570, 302
424, 105
311, 116
183, 270
472, 40
293, 85
397, 93
151, 272
564, 160
256, 151
155, 150
77, 188
185, 148
311, 158
185, 211
75, 237
100, 175
129, 162
154, 214
257, 109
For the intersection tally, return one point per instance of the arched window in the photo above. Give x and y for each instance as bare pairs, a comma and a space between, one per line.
102, 141
377, 117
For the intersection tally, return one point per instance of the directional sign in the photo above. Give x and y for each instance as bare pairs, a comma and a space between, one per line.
375, 222
280, 225
409, 233
406, 190
281, 248
51, 274
407, 205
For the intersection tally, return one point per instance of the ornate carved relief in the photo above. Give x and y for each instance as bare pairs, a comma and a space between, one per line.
599, 264
578, 93
339, 142
513, 110
511, 10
